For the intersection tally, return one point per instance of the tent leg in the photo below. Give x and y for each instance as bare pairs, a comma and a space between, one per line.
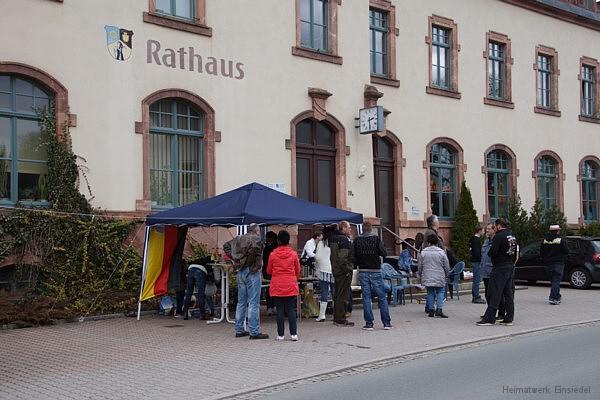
224, 300
143, 272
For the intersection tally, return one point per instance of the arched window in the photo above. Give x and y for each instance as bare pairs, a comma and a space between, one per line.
589, 191
499, 165
176, 153
315, 162
23, 157
547, 183
442, 179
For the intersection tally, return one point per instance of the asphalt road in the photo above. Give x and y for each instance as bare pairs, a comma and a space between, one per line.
503, 370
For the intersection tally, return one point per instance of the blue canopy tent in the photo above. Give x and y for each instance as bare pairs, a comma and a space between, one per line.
252, 203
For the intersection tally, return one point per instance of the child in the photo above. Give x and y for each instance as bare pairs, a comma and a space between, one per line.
433, 271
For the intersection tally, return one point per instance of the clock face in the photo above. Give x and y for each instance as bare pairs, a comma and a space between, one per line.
368, 119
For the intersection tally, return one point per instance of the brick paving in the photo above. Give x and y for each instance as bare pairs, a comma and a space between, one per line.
166, 358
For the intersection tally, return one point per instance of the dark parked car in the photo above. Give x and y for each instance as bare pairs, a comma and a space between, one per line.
582, 265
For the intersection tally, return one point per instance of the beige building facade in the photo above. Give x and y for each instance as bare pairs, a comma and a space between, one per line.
170, 101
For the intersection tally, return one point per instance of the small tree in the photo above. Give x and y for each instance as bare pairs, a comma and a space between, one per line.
592, 230
518, 220
541, 218
465, 222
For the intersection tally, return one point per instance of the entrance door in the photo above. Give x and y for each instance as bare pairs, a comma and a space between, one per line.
384, 170
315, 168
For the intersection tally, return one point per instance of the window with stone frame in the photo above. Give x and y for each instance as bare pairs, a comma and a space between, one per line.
589, 191
547, 181
184, 15
382, 42
23, 150
443, 57
176, 153
316, 30
442, 180
547, 72
499, 164
590, 90
498, 70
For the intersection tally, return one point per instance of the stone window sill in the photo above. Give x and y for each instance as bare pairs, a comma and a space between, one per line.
447, 223
593, 120
443, 92
162, 20
498, 103
315, 55
546, 111
380, 80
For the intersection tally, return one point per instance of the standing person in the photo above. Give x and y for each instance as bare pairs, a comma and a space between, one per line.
270, 245
486, 269
311, 245
248, 258
368, 250
486, 261
419, 239
323, 266
180, 288
342, 267
433, 224
434, 268
284, 268
475, 247
553, 251
502, 252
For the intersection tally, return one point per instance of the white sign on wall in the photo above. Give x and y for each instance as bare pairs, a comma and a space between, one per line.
415, 212
280, 187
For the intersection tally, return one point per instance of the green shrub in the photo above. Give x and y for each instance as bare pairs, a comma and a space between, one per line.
465, 222
519, 221
535, 225
592, 230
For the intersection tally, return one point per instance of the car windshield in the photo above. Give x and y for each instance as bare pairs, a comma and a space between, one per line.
596, 244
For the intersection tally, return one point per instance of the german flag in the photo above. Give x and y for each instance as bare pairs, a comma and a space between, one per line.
164, 248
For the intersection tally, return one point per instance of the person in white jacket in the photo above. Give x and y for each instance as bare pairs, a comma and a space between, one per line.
323, 267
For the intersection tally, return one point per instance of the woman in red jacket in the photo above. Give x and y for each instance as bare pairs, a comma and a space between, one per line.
284, 268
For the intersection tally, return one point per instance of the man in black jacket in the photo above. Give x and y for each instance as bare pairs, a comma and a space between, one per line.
503, 252
342, 268
368, 250
553, 251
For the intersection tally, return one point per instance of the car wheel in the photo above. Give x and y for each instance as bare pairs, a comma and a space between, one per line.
531, 282
580, 278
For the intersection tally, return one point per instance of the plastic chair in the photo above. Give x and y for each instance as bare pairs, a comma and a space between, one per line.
396, 282
454, 279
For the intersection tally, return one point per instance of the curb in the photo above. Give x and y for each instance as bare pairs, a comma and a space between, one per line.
448, 346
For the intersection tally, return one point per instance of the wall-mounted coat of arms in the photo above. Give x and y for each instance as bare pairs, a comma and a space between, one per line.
119, 42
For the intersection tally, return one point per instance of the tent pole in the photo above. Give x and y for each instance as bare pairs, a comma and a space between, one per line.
143, 271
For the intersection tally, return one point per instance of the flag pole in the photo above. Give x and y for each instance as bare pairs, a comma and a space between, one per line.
143, 281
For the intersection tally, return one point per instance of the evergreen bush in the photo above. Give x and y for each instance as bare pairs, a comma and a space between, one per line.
465, 222
592, 230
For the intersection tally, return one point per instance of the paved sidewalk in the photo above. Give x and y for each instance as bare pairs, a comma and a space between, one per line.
166, 358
